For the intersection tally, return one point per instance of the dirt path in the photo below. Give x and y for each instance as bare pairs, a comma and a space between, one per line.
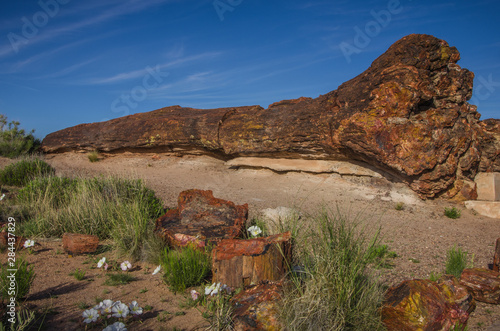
420, 233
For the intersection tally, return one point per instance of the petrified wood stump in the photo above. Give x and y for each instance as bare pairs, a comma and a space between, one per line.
483, 284
496, 258
75, 243
201, 218
240, 262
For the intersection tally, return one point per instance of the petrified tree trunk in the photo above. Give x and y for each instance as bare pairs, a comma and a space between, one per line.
407, 114
239, 262
496, 258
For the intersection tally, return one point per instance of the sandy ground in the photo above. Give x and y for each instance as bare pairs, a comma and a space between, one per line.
420, 233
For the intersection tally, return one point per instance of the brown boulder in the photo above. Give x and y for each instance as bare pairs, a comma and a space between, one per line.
426, 305
407, 115
75, 243
199, 218
484, 284
257, 308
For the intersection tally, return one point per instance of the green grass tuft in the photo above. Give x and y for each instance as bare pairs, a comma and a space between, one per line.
452, 213
24, 277
78, 274
93, 156
456, 262
118, 279
185, 268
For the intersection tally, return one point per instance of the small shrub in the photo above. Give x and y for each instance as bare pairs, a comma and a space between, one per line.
93, 156
380, 255
452, 213
118, 279
15, 142
434, 276
78, 274
399, 206
20, 173
456, 262
24, 277
185, 268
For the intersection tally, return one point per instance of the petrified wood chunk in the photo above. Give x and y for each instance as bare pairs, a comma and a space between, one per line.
200, 218
75, 243
257, 308
243, 262
422, 304
4, 240
496, 257
407, 114
484, 284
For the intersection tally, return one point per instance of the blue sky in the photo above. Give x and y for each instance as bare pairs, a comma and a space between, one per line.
66, 62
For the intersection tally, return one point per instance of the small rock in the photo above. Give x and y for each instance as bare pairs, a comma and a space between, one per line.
484, 284
75, 243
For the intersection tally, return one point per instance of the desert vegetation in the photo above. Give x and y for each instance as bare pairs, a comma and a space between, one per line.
333, 281
14, 141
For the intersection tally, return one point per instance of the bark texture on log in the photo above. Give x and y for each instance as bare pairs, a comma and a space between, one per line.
201, 218
484, 284
257, 308
239, 262
496, 257
427, 305
75, 243
407, 115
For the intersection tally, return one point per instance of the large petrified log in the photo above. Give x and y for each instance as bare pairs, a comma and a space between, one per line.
407, 114
199, 218
239, 262
421, 304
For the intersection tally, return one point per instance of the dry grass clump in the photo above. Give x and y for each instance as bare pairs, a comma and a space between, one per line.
333, 289
120, 209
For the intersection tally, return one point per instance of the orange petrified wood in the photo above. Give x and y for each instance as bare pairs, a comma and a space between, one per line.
239, 262
75, 243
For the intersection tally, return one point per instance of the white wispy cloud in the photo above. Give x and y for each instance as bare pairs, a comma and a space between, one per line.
128, 75
117, 10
